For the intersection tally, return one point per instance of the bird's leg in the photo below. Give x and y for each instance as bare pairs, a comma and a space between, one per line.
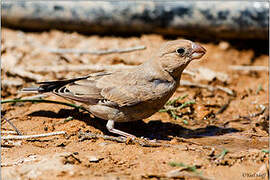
110, 127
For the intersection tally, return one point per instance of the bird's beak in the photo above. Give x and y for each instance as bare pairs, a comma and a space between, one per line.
197, 51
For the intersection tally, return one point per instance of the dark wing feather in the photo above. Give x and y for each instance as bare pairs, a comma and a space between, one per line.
49, 86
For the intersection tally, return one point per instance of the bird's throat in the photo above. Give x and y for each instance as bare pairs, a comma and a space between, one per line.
176, 72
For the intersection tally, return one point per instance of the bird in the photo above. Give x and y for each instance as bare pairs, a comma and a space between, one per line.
130, 94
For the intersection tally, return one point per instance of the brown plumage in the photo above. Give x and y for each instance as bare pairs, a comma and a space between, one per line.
129, 94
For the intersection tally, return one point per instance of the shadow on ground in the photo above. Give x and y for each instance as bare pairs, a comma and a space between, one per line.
153, 130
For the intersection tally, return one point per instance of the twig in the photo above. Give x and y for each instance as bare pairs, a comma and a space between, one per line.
19, 71
13, 137
210, 88
188, 72
13, 126
226, 90
83, 136
10, 65
249, 68
9, 132
73, 68
10, 143
263, 108
11, 82
224, 107
203, 73
141, 142
247, 117
188, 83
98, 52
43, 101
39, 96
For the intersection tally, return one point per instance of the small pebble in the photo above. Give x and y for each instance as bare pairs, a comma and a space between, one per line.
223, 45
94, 159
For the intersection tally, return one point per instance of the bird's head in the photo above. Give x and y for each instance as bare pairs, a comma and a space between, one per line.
175, 55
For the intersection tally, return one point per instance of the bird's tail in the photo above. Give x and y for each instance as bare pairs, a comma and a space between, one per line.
49, 86
31, 89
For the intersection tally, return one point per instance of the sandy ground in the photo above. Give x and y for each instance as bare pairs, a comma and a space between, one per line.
223, 134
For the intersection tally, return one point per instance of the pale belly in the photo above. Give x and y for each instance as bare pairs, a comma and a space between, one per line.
131, 113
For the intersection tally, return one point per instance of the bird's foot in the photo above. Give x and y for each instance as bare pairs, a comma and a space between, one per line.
110, 127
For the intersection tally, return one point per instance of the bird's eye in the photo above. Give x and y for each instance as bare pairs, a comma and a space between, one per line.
180, 50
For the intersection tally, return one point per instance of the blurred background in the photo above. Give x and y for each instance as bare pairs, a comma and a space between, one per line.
215, 126
200, 19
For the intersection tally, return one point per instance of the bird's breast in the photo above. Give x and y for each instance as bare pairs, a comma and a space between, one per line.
161, 87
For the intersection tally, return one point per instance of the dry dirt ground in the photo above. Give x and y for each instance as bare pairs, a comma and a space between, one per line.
220, 133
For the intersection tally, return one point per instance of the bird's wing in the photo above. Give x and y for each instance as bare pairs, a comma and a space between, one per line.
81, 89
122, 88
130, 87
